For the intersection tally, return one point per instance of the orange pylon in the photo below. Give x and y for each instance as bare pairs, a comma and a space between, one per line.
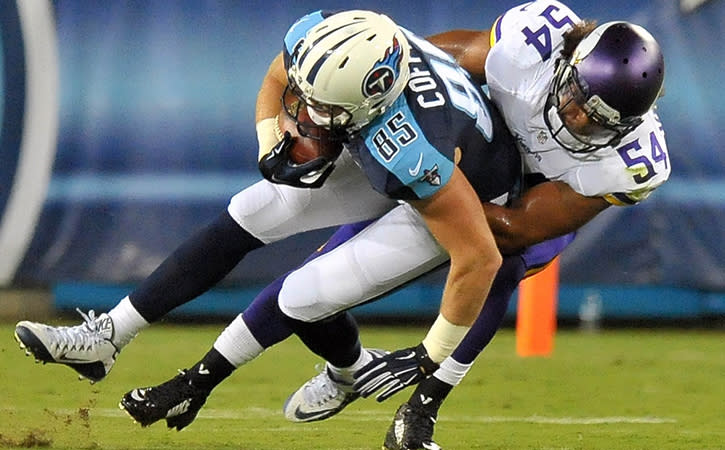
536, 315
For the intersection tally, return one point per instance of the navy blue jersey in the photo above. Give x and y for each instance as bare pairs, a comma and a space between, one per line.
409, 152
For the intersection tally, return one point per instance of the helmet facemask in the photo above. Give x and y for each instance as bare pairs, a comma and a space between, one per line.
605, 127
311, 118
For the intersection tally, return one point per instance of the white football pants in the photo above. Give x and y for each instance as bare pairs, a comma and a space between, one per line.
391, 251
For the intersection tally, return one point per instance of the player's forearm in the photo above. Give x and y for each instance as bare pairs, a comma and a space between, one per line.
545, 211
463, 297
455, 217
509, 229
467, 288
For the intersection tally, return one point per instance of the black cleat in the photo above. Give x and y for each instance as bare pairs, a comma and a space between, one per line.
177, 401
412, 429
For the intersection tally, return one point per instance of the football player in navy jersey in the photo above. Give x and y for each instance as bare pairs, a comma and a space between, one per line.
580, 100
423, 150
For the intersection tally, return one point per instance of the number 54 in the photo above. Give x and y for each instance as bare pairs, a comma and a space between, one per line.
657, 155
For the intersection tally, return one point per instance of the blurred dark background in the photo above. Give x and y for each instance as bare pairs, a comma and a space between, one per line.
127, 125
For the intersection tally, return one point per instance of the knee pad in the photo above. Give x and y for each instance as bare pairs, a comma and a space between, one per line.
267, 211
308, 296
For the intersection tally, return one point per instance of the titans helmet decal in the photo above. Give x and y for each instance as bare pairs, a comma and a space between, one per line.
383, 74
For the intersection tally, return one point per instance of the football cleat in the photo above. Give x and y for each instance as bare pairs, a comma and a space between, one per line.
411, 429
177, 401
86, 348
321, 397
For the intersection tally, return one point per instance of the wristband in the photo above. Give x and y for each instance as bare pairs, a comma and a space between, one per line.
442, 338
268, 134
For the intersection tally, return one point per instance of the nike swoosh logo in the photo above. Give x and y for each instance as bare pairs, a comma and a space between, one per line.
313, 176
67, 359
303, 416
203, 370
138, 394
415, 170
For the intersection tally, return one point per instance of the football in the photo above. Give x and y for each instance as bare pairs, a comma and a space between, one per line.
306, 149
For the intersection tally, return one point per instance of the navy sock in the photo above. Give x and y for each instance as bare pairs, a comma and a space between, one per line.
193, 268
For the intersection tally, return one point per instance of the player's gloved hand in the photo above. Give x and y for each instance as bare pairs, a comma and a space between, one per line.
277, 167
394, 371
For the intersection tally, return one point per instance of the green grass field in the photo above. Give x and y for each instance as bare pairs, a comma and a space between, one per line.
642, 389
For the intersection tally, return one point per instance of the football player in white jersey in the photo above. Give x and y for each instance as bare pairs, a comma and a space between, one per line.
580, 101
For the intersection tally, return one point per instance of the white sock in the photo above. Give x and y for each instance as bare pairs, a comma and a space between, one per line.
345, 374
127, 322
451, 371
237, 344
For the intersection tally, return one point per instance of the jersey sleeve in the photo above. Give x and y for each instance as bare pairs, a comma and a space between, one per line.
632, 170
525, 42
399, 159
628, 198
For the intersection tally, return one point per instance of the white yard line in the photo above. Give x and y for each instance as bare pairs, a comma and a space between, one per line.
362, 416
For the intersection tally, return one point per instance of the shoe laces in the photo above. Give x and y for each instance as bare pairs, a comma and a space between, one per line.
81, 337
321, 388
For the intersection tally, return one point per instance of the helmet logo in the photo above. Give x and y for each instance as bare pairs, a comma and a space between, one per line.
378, 81
382, 76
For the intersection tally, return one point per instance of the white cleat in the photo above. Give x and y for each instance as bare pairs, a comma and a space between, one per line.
321, 397
86, 348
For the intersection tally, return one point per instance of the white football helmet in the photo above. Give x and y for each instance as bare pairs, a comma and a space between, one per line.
349, 68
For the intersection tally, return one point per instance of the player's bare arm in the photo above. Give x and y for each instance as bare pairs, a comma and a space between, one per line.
545, 211
456, 218
468, 47
268, 105
270, 92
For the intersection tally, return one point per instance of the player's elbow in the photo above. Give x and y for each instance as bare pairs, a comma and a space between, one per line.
492, 263
515, 235
511, 244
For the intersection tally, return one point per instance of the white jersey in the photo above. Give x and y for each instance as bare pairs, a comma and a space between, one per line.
525, 43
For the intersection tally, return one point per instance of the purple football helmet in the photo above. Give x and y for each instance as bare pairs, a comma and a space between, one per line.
615, 75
